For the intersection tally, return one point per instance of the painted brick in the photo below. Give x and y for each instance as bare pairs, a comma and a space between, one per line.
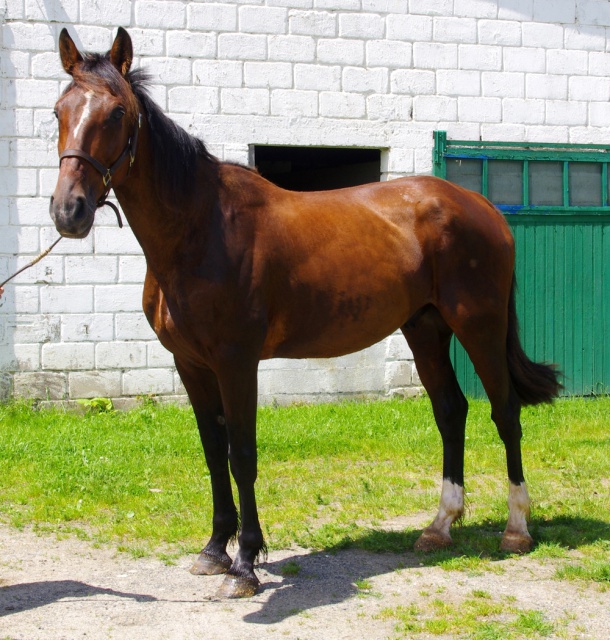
342, 105
120, 355
599, 63
212, 73
586, 37
118, 297
503, 131
132, 269
545, 133
413, 81
207, 16
313, 23
434, 8
68, 357
16, 64
24, 36
26, 329
273, 75
147, 42
47, 65
187, 44
245, 101
458, 83
29, 211
506, 33
66, 299
47, 386
503, 84
116, 241
410, 27
588, 89
432, 55
524, 59
398, 374
538, 34
567, 62
389, 107
553, 11
133, 326
159, 356
263, 20
160, 14
516, 10
27, 357
155, 381
480, 57
94, 38
593, 12
389, 53
98, 327
367, 26
22, 240
109, 12
386, 6
475, 8
316, 77
291, 4
91, 269
434, 108
292, 48
335, 5
547, 87
240, 46
36, 93
599, 114
193, 100
570, 113
401, 161
362, 80
523, 111
344, 52
462, 30
94, 384
25, 299
294, 103
169, 71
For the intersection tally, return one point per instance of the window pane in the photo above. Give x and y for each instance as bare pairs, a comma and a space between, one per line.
466, 173
585, 179
546, 183
505, 181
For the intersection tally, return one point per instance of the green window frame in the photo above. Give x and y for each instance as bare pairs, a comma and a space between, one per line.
568, 160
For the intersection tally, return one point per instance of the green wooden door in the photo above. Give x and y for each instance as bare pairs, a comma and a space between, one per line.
562, 262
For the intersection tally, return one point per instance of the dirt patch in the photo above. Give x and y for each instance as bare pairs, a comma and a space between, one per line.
66, 589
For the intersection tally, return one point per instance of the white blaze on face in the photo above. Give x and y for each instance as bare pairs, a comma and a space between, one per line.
84, 113
518, 508
451, 506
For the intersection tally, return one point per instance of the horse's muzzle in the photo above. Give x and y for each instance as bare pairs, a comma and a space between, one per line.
73, 216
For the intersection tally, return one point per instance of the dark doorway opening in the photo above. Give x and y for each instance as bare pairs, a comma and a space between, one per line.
317, 168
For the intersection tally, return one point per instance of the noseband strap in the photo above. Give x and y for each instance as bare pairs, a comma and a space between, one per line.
108, 172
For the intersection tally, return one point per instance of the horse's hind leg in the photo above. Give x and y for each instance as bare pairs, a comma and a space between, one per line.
429, 338
202, 388
485, 342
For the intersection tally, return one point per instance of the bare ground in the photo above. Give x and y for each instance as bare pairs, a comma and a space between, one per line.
54, 589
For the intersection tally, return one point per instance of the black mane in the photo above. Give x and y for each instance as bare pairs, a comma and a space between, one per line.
176, 152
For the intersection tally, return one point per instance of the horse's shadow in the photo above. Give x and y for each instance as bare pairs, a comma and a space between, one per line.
339, 573
16, 598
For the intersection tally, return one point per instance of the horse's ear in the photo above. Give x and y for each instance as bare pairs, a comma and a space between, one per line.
121, 54
68, 52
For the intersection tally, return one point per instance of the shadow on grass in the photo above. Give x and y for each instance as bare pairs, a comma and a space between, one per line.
30, 595
330, 576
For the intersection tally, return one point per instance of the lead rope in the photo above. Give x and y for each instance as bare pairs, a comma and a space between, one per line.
31, 264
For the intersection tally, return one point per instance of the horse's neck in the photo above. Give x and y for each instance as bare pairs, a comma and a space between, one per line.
163, 229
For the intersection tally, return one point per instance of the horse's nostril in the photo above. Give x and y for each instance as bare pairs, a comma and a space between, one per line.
79, 208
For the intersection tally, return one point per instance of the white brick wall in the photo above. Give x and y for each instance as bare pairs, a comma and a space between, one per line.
370, 73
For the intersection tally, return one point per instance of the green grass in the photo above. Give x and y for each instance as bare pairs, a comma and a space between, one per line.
329, 476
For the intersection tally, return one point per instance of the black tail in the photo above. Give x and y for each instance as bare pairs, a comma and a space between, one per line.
534, 382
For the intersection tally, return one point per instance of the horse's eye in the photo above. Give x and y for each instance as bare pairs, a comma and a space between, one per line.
117, 113
55, 113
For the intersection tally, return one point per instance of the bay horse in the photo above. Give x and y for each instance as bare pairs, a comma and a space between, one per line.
240, 270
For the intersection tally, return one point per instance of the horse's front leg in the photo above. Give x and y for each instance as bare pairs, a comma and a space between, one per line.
204, 394
238, 386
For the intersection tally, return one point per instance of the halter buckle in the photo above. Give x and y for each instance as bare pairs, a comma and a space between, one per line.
107, 179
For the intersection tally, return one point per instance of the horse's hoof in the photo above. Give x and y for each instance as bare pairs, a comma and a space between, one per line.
238, 587
513, 542
207, 565
431, 540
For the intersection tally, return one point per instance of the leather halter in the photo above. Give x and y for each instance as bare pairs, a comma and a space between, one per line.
107, 172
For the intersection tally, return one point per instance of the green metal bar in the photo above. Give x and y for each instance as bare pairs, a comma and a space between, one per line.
439, 163
526, 183
605, 184
484, 179
525, 154
566, 185
527, 145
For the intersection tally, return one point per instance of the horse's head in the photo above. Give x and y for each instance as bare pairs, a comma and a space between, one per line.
98, 121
